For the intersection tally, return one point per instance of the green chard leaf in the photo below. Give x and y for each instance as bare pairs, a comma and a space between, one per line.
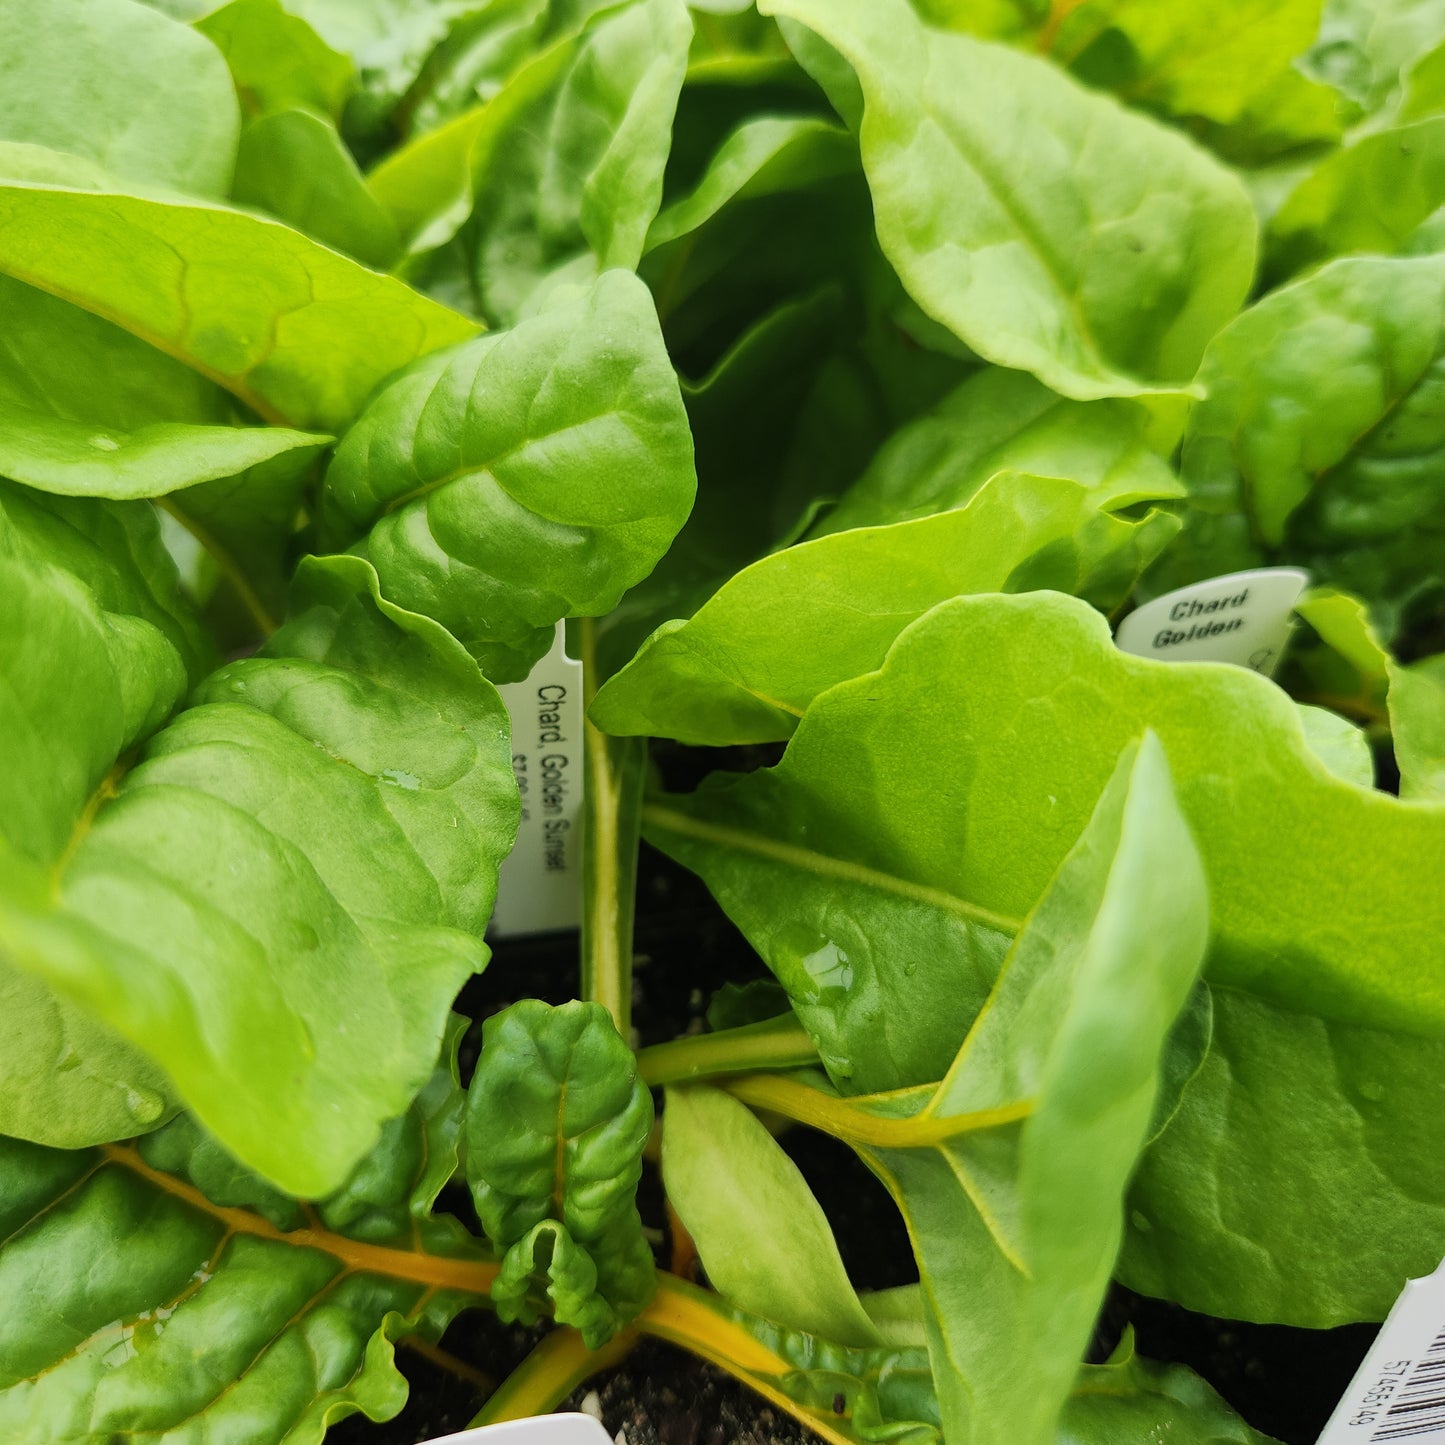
295, 331
1319, 442
80, 76
293, 165
1005, 421
172, 1291
288, 971
530, 475
882, 890
277, 60
1000, 203
555, 1126
575, 179
762, 1236
748, 663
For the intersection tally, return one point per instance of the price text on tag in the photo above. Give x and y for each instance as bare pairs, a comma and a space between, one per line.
1399, 1391
540, 888
1242, 618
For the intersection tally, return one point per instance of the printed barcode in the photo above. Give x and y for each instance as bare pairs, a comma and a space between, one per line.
1419, 1408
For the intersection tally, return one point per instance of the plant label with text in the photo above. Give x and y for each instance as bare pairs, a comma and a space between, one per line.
1243, 617
540, 886
1399, 1391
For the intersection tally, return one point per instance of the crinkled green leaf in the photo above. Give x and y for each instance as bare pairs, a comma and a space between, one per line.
1417, 715
556, 1122
576, 177
289, 971
155, 1313
531, 475
596, 1290
1027, 1215
1371, 196
1000, 201
82, 76
277, 60
1339, 744
293, 165
763, 1238
1319, 442
296, 331
747, 664
1365, 46
1005, 421
1303, 1175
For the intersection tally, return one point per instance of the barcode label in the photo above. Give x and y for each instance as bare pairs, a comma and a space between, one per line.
1418, 1410
1399, 1391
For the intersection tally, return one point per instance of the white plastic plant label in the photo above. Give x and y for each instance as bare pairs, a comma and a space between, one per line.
541, 1430
1399, 1391
1244, 618
540, 888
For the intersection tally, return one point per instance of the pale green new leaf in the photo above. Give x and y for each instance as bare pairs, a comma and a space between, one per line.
293, 165
1366, 46
575, 179
277, 60
291, 328
1320, 440
1005, 421
1001, 204
762, 1236
83, 76
745, 667
1020, 1221
531, 475
160, 1310
1371, 196
289, 972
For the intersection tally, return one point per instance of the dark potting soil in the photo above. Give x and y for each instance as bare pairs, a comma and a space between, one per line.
1284, 1381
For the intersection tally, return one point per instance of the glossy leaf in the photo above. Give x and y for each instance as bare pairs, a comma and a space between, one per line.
294, 330
80, 76
762, 1236
156, 1308
276, 59
745, 667
1028, 1215
293, 165
531, 475
556, 1123
1319, 441
1301, 1179
1010, 220
1004, 421
577, 174
211, 882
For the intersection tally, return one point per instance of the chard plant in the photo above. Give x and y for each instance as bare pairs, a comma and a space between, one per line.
836, 371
